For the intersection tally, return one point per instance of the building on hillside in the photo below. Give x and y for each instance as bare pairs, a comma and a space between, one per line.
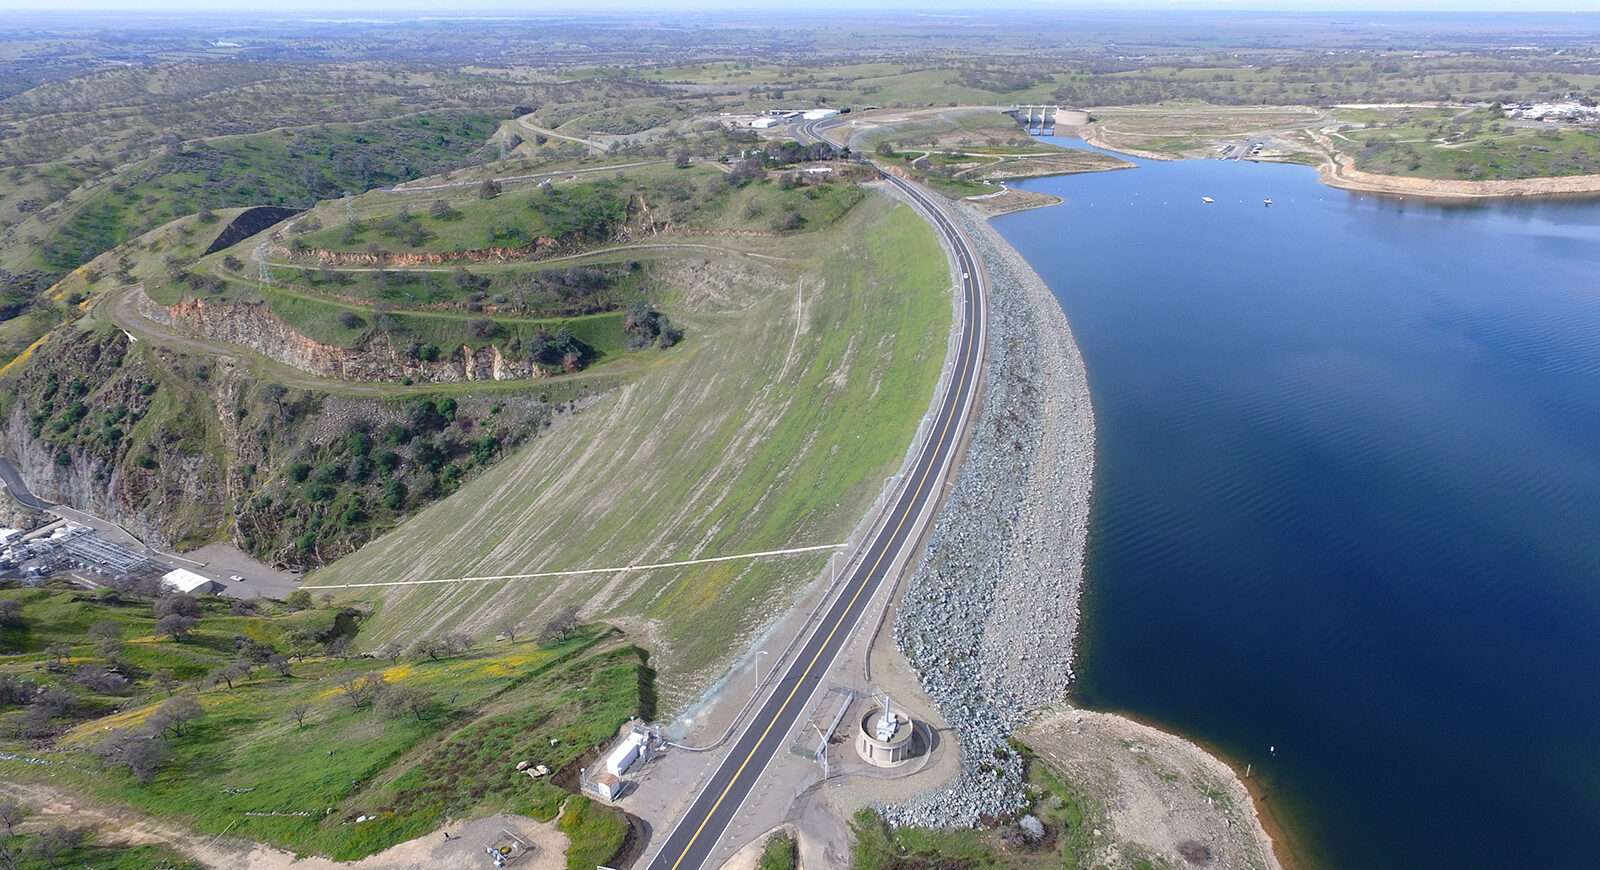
184, 580
819, 114
608, 786
764, 123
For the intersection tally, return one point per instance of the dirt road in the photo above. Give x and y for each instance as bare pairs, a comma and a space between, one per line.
463, 848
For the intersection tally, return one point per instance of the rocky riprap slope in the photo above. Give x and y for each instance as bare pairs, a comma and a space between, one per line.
989, 619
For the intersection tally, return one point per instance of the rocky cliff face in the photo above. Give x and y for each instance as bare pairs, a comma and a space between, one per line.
186, 448
81, 429
255, 326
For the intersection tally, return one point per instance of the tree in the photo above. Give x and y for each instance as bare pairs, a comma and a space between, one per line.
180, 603
457, 642
58, 652
510, 627
55, 842
142, 752
562, 626
175, 626
228, 673
10, 613
489, 189
298, 711
166, 681
11, 817
106, 635
391, 651
404, 700
273, 392
300, 644
175, 714
10, 853
300, 599
430, 646
359, 690
279, 663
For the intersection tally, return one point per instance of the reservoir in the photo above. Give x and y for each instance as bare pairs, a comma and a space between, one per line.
1347, 510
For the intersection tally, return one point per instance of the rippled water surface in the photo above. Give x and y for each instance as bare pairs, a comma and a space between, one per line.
1348, 499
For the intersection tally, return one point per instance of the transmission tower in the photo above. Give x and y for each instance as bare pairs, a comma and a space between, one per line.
263, 274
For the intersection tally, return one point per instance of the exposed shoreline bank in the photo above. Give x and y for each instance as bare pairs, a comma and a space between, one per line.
1349, 178
1338, 170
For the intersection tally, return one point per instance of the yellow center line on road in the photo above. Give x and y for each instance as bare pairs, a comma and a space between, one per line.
921, 485
580, 571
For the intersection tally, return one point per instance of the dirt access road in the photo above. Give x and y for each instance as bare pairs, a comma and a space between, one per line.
463, 849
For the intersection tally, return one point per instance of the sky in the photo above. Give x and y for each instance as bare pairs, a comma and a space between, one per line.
389, 8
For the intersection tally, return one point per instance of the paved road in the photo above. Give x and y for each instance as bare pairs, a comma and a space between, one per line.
696, 834
810, 132
15, 485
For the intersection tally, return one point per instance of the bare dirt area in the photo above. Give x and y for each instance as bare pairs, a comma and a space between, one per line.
1039, 165
1173, 132
458, 845
1009, 200
1160, 798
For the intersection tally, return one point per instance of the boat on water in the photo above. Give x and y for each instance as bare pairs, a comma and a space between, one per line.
1206, 199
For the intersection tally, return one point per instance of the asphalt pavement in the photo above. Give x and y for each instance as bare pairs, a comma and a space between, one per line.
15, 485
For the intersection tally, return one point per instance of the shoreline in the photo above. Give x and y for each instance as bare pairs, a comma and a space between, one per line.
1338, 171
1343, 177
1014, 275
989, 621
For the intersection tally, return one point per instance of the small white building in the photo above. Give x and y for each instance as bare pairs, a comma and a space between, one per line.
184, 580
625, 753
10, 536
819, 114
764, 123
608, 786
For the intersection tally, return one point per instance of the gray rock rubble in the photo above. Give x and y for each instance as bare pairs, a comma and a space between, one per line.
989, 618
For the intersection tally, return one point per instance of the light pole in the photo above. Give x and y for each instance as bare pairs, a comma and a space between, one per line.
759, 653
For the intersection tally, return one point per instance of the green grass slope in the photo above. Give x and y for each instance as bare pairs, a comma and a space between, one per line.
776, 430
247, 765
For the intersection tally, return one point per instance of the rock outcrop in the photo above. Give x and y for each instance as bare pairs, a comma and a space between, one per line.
254, 325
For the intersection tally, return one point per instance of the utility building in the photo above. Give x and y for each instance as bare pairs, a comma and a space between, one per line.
625, 753
184, 580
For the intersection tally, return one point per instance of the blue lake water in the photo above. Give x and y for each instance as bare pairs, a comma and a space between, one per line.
1347, 511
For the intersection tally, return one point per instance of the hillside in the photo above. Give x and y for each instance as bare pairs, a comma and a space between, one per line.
300, 417
252, 718
811, 366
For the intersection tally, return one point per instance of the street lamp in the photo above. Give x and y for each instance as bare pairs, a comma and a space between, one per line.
759, 652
